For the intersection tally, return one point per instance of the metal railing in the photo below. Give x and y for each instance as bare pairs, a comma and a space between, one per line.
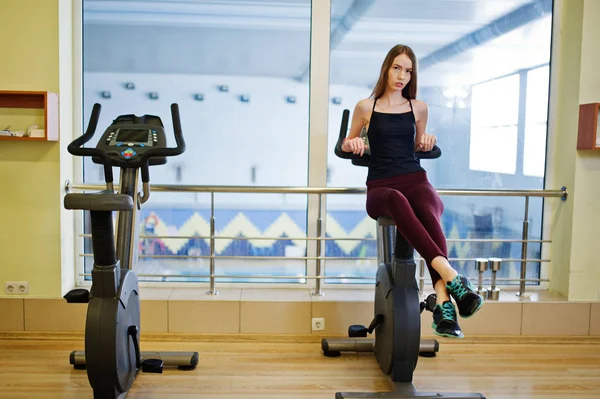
319, 238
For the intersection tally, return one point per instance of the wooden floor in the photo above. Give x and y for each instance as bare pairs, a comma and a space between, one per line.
516, 369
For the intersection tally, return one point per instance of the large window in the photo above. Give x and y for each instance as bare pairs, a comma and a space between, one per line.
241, 71
479, 72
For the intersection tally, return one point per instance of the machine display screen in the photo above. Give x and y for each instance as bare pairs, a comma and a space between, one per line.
133, 135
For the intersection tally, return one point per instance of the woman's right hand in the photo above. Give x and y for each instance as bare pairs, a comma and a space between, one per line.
355, 146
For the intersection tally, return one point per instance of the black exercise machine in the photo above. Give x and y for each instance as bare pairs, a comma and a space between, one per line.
397, 321
112, 354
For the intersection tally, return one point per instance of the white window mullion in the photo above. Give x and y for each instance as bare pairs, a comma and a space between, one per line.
551, 205
318, 123
75, 127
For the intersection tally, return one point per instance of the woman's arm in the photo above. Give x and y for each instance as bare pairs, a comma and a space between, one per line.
360, 118
423, 141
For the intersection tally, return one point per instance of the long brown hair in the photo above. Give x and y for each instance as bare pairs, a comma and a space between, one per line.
410, 91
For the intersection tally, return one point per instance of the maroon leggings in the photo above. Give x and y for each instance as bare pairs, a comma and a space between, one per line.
416, 208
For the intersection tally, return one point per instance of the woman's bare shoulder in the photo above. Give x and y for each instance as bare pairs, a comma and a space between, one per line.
419, 105
364, 106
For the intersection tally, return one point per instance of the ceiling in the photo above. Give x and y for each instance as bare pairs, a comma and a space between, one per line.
453, 39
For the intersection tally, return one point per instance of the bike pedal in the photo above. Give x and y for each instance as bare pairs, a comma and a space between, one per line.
357, 331
78, 295
153, 366
430, 302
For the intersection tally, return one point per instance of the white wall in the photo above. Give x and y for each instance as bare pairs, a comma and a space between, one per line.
226, 137
584, 281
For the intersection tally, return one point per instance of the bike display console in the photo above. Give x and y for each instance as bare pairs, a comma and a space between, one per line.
129, 137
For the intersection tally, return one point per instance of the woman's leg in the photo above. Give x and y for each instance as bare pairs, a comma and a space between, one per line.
428, 207
387, 201
384, 201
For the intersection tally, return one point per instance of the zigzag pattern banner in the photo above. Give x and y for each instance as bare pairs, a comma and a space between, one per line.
292, 224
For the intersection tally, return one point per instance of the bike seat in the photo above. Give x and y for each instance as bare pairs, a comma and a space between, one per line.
101, 201
385, 221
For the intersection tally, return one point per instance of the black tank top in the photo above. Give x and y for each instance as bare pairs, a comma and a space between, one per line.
392, 144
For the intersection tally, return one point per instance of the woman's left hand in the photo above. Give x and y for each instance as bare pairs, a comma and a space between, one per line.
426, 143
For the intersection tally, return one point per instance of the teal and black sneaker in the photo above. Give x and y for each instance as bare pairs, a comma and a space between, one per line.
444, 321
466, 297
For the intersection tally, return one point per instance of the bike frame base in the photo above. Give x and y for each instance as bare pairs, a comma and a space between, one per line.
407, 391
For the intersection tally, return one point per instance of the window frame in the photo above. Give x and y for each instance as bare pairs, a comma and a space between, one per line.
318, 128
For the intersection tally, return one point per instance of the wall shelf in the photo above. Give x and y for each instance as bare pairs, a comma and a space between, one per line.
44, 100
588, 137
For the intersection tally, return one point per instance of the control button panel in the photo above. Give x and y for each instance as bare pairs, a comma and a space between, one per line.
110, 136
128, 153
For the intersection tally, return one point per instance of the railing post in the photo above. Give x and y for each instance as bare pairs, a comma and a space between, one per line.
318, 290
421, 275
524, 249
212, 290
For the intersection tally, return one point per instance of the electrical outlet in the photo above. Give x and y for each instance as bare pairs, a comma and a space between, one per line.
318, 324
16, 288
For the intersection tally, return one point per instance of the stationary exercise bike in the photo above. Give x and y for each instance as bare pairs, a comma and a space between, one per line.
112, 354
397, 322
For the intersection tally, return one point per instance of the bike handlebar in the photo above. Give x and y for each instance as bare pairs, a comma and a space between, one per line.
75, 147
363, 160
165, 152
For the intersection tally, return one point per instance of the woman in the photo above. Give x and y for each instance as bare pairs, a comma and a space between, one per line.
397, 185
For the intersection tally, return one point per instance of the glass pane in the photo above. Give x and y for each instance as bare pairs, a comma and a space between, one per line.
470, 59
537, 94
503, 157
352, 246
239, 72
534, 153
495, 103
175, 242
534, 161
